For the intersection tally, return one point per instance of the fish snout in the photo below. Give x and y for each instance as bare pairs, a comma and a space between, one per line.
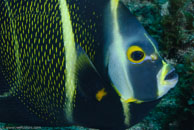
167, 78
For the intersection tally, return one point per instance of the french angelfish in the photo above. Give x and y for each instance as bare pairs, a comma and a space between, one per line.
77, 62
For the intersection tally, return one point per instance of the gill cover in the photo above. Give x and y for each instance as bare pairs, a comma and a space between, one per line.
135, 67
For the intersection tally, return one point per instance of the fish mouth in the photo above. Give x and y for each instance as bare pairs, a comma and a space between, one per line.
171, 75
167, 78
167, 75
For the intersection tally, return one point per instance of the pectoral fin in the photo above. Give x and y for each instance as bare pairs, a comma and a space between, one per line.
89, 80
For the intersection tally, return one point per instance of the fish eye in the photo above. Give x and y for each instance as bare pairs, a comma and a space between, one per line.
135, 54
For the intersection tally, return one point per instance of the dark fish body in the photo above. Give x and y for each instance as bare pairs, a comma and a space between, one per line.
56, 62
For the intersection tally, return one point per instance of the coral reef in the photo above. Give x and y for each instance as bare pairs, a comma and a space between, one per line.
171, 23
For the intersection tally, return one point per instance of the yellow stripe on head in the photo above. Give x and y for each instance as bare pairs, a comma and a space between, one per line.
165, 70
155, 49
118, 48
118, 40
114, 4
70, 53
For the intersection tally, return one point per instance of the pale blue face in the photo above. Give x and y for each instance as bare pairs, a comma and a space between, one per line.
135, 67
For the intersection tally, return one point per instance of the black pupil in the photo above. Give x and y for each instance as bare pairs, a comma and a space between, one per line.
137, 55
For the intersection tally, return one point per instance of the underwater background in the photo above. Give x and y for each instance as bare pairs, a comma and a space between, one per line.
171, 23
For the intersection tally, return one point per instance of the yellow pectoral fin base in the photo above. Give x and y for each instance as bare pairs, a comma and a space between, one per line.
100, 94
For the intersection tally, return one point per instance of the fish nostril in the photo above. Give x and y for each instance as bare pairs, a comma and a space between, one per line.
171, 75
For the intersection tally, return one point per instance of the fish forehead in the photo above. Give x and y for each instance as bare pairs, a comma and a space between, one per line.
133, 32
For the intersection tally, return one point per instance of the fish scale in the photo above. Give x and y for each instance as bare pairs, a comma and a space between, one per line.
29, 59
83, 27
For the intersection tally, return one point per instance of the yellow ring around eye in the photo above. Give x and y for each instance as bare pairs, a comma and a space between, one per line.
134, 49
